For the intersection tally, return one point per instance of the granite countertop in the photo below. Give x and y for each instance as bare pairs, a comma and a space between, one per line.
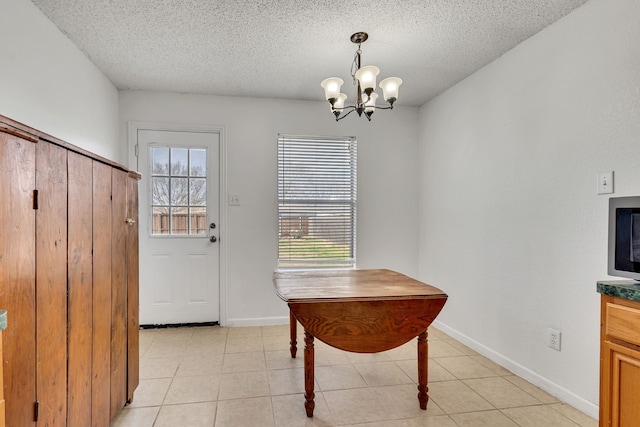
627, 289
3, 320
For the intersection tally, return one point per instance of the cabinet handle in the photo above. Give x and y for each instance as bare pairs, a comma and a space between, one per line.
130, 221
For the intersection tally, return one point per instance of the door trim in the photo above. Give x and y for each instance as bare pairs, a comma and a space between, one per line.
135, 126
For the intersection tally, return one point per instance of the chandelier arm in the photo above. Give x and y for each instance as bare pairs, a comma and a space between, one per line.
345, 115
353, 108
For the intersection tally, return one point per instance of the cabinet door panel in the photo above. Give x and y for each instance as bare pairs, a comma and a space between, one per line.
51, 284
80, 317
118, 293
17, 276
623, 383
101, 369
133, 300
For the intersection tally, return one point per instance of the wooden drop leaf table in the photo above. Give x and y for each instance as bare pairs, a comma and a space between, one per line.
362, 311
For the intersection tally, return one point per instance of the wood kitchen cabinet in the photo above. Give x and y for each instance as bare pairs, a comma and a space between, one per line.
619, 360
68, 280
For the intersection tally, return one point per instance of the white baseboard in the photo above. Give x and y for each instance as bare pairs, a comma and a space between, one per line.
257, 321
545, 384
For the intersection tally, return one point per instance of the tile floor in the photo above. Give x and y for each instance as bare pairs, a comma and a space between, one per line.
219, 377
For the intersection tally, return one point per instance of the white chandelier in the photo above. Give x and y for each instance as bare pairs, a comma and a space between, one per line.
365, 80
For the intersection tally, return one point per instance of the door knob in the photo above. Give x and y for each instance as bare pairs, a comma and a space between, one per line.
213, 239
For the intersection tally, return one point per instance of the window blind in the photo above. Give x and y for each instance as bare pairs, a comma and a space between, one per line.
316, 201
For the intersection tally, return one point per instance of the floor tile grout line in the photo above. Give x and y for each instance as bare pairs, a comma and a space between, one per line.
354, 363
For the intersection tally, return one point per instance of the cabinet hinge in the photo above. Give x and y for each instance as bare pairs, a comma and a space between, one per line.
36, 410
35, 199
137, 150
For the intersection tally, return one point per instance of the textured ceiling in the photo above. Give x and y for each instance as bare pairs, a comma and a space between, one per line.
285, 48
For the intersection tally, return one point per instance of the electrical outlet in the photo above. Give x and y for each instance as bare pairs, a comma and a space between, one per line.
554, 337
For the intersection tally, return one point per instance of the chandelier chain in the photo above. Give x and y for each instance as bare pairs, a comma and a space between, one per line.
354, 64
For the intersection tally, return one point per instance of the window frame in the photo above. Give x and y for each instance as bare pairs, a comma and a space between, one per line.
328, 212
170, 176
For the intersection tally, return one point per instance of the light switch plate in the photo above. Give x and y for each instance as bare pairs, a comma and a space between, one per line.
234, 200
605, 183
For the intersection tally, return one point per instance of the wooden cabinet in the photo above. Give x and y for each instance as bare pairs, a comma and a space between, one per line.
68, 280
619, 362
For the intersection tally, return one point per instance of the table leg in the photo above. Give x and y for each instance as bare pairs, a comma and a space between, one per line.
309, 395
293, 331
423, 367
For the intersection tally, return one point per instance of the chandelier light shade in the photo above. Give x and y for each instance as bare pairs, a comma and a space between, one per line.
332, 87
367, 78
390, 87
339, 104
364, 79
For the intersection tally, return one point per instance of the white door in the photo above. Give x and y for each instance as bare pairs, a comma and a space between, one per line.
179, 213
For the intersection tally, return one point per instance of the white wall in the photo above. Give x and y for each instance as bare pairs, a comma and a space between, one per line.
46, 82
387, 184
510, 223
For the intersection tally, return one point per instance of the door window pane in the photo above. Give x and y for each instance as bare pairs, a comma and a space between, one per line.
198, 221
160, 191
160, 220
179, 221
160, 161
179, 159
178, 191
198, 162
197, 192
